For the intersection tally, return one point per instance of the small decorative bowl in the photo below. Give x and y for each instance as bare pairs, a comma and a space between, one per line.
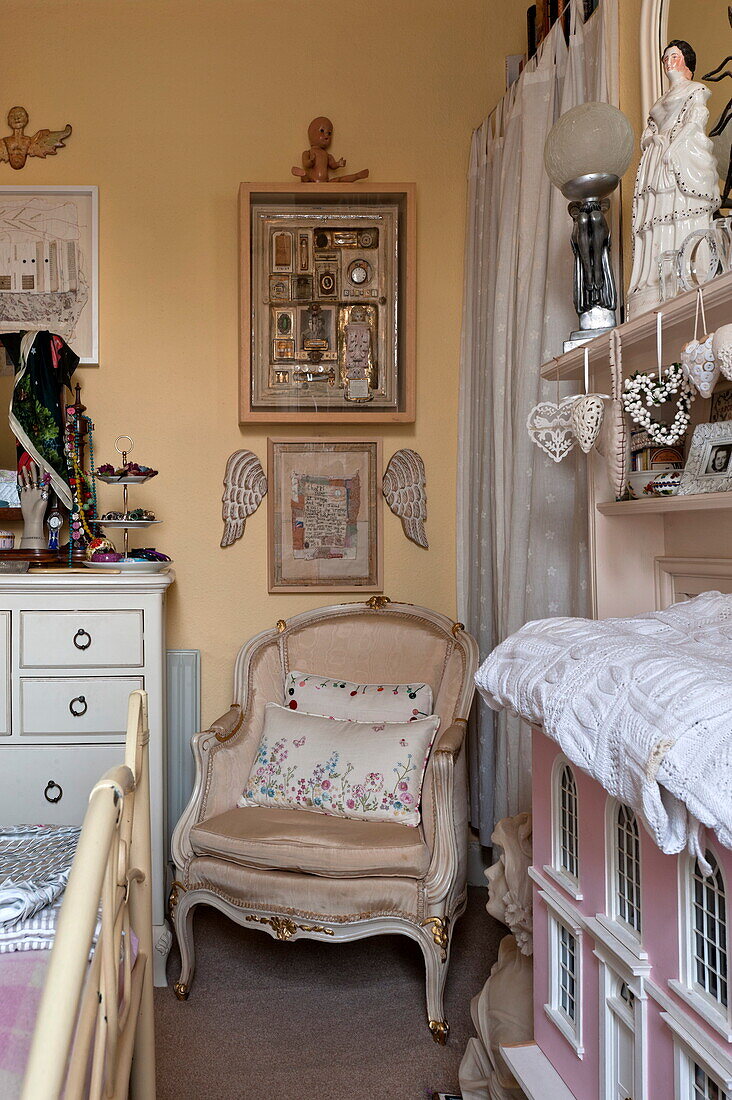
7, 540
666, 484
639, 482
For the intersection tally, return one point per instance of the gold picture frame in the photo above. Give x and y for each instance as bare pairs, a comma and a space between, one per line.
324, 515
327, 303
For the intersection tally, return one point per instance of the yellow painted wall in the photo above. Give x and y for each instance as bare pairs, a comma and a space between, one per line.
173, 103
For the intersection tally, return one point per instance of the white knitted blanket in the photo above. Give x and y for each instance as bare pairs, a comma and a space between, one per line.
643, 704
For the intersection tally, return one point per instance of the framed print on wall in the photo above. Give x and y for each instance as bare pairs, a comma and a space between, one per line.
327, 303
49, 264
324, 515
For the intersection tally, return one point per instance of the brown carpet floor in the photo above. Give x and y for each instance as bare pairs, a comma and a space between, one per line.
309, 1021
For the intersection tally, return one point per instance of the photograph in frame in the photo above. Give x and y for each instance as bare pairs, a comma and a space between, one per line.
324, 515
49, 266
709, 464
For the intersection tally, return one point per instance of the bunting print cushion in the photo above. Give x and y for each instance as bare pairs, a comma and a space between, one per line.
313, 694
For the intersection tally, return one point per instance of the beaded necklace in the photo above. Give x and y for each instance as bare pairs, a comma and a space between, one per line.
83, 488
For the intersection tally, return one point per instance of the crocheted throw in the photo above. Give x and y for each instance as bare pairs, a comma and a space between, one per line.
644, 705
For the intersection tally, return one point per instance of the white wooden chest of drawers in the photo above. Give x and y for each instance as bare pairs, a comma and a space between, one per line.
72, 648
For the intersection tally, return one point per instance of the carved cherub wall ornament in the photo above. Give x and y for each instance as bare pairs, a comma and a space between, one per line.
317, 161
404, 488
16, 147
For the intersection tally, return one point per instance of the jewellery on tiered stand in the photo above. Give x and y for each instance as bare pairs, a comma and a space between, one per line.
143, 561
79, 428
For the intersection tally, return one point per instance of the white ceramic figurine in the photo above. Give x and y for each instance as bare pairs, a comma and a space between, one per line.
677, 186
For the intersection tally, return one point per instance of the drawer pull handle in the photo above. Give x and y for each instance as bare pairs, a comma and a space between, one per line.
52, 785
78, 710
79, 639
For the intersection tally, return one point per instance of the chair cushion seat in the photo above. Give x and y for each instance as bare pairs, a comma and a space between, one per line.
297, 840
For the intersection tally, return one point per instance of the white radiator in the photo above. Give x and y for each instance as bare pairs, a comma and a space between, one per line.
184, 719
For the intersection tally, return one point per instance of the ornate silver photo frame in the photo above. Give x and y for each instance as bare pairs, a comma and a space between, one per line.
327, 303
709, 464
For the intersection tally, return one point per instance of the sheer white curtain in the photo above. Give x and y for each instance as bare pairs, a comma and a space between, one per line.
522, 549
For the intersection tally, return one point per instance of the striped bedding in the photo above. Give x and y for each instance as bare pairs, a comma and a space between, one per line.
35, 861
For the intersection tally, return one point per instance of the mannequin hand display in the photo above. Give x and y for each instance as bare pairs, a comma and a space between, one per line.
33, 502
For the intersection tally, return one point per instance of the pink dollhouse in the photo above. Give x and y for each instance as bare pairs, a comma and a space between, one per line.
630, 953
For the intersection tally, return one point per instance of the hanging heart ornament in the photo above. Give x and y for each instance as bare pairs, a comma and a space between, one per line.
587, 414
699, 365
722, 349
550, 427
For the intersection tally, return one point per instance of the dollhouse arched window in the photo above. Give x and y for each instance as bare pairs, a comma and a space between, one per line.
626, 886
709, 931
565, 823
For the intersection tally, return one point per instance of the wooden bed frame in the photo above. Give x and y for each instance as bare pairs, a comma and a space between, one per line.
94, 1034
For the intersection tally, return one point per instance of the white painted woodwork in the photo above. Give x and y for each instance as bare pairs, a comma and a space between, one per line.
535, 1073
623, 1056
81, 639
626, 539
639, 334
87, 707
71, 771
5, 723
124, 617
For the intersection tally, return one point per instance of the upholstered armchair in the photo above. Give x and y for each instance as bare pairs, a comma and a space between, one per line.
295, 873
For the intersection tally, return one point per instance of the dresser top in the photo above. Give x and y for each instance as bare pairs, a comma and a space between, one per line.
37, 581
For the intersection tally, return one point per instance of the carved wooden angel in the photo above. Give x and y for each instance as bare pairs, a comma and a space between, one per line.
405, 491
17, 146
404, 488
245, 486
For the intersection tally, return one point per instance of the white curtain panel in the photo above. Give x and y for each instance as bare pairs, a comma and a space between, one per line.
522, 542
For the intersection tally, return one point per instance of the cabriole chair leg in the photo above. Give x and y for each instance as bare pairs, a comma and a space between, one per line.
436, 957
182, 914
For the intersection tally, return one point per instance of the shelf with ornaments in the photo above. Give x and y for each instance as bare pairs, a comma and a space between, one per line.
129, 473
638, 335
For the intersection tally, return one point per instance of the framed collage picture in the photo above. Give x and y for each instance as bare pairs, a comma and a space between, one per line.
327, 303
49, 264
324, 515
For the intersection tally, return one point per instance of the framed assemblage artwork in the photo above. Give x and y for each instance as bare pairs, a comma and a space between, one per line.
49, 264
327, 302
709, 464
324, 515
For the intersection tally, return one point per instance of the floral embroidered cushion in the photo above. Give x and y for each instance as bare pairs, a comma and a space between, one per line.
370, 771
306, 691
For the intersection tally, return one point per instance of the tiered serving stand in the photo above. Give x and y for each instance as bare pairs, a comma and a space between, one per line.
127, 564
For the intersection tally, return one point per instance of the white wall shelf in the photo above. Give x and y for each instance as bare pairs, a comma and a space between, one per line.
639, 335
699, 502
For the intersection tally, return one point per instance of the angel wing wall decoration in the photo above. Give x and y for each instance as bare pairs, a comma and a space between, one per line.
18, 146
405, 491
245, 486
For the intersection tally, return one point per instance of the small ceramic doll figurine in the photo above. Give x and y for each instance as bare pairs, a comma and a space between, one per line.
317, 161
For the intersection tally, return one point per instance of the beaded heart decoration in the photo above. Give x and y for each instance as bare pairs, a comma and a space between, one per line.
644, 392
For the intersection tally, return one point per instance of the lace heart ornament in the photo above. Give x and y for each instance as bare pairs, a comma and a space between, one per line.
722, 349
700, 366
550, 427
587, 416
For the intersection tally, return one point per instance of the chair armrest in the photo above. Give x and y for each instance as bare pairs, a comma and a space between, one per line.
220, 733
228, 724
452, 739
